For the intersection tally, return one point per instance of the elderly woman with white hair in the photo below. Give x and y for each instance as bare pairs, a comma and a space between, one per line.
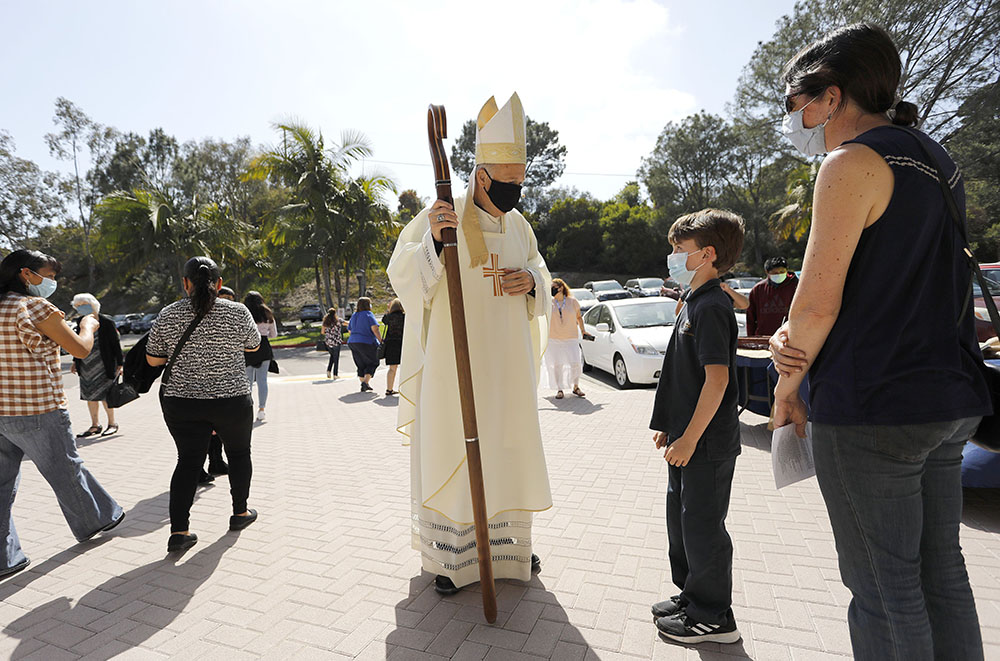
100, 368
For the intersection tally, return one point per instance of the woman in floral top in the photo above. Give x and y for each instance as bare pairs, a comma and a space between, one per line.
333, 335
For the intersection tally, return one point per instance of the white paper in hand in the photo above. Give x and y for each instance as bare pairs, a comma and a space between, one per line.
791, 456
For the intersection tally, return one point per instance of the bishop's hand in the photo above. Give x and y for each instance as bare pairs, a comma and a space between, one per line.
516, 282
442, 215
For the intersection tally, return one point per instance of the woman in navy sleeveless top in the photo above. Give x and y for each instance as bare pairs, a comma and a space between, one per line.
882, 322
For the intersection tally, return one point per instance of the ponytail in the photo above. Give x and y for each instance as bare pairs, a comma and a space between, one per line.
203, 274
10, 269
904, 114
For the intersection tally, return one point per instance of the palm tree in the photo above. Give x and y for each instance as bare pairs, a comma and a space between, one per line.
795, 218
145, 227
311, 229
373, 229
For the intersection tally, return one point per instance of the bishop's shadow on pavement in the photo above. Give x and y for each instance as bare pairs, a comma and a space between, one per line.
164, 587
530, 620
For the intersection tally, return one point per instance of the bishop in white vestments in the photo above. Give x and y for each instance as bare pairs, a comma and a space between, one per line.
506, 286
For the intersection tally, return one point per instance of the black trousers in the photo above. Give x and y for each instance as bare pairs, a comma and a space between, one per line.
701, 552
190, 422
334, 363
365, 357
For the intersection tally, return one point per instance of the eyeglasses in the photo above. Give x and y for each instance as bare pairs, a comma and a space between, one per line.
790, 98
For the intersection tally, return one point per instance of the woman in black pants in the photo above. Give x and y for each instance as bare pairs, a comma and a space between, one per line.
204, 388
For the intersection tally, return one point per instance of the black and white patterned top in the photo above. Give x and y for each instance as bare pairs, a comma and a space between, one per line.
211, 365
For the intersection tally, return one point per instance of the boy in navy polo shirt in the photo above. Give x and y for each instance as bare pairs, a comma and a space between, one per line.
695, 418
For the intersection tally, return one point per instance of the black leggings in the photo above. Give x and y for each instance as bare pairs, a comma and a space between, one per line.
190, 422
334, 359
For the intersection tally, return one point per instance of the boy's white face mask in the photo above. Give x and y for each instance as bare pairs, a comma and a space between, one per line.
677, 264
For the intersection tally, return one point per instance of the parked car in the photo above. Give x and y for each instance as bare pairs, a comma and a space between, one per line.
310, 313
984, 328
742, 285
585, 297
741, 324
121, 323
991, 271
144, 323
630, 338
607, 290
643, 287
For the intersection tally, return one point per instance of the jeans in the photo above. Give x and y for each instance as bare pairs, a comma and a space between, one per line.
190, 422
258, 375
334, 359
47, 439
894, 494
701, 551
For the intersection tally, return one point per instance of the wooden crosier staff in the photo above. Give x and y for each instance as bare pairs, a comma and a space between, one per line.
437, 130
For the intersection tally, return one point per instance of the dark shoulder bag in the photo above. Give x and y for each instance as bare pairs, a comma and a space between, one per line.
168, 368
988, 434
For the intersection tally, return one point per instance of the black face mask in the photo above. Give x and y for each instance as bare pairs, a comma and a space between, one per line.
555, 290
504, 195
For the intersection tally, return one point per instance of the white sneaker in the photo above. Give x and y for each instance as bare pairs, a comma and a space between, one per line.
260, 415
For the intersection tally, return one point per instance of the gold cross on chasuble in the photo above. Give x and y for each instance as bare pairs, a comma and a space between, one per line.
494, 271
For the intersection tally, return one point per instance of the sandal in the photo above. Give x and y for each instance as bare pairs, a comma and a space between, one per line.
94, 430
112, 429
390, 393
560, 395
578, 392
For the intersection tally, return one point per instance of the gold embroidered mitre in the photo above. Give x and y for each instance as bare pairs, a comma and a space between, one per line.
500, 138
500, 134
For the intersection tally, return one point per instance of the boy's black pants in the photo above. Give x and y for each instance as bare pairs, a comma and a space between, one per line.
701, 552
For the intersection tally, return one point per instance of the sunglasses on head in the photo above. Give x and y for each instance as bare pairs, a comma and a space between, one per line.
790, 98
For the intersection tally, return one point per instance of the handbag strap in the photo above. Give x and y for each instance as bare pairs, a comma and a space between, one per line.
959, 219
168, 369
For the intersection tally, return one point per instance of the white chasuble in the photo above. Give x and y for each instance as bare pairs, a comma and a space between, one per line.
506, 340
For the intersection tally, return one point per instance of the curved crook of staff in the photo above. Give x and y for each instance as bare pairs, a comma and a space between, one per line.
437, 130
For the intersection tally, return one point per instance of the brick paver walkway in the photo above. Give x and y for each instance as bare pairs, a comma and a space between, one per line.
328, 573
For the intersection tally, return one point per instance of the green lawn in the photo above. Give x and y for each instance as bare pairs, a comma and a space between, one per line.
298, 338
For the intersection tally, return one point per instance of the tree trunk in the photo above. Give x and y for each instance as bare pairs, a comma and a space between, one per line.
326, 281
180, 271
319, 289
336, 284
347, 282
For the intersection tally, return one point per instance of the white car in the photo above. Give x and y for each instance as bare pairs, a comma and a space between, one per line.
742, 285
585, 297
630, 338
741, 323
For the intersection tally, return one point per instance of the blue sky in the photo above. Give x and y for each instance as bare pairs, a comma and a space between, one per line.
607, 74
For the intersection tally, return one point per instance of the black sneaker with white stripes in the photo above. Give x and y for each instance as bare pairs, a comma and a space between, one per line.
683, 629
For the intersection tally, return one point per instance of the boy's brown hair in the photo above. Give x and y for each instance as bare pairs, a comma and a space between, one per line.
722, 230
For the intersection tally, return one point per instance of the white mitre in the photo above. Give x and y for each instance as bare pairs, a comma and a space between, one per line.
500, 134
500, 138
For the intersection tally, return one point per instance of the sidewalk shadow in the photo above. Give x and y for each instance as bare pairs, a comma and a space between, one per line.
388, 402
356, 397
91, 440
143, 518
755, 436
712, 651
573, 404
120, 592
981, 509
425, 612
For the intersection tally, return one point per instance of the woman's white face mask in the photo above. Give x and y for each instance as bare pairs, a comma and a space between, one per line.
811, 142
